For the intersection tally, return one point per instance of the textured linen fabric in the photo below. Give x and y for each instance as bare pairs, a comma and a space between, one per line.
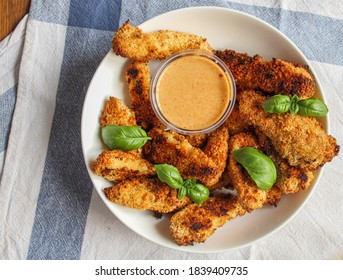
48, 208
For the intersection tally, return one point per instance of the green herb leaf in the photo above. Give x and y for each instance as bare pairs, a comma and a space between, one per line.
312, 107
198, 193
277, 104
124, 138
294, 108
169, 175
189, 183
181, 193
259, 166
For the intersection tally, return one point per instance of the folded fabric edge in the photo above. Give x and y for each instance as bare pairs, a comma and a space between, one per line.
17, 34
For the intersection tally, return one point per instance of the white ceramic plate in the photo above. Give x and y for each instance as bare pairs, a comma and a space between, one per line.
224, 29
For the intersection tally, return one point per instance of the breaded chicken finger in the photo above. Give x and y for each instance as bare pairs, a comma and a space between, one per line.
290, 179
145, 194
172, 148
116, 113
130, 41
235, 123
271, 76
196, 223
118, 165
299, 139
138, 79
217, 148
248, 194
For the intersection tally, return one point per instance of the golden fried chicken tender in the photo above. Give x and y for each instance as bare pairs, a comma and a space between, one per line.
217, 149
197, 140
115, 112
196, 223
275, 76
290, 179
116, 165
172, 148
299, 139
146, 194
130, 41
248, 194
138, 80
235, 123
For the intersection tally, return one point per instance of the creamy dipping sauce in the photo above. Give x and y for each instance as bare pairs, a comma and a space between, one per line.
193, 92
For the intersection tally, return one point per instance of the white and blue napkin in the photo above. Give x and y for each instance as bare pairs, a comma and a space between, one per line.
48, 208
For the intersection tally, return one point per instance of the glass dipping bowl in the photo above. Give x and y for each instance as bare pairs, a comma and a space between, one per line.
229, 93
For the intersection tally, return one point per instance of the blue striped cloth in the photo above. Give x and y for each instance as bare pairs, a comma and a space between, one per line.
48, 209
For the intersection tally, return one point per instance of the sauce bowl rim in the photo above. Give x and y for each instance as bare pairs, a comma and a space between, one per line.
153, 91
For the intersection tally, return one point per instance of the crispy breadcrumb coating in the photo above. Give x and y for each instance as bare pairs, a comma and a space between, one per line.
130, 41
248, 194
235, 123
145, 194
217, 149
118, 165
138, 80
172, 148
196, 223
115, 112
290, 179
274, 76
299, 139
197, 140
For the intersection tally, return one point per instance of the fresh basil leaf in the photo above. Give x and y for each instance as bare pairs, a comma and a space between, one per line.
198, 193
169, 175
259, 166
312, 107
124, 138
294, 108
295, 99
277, 104
181, 193
189, 183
